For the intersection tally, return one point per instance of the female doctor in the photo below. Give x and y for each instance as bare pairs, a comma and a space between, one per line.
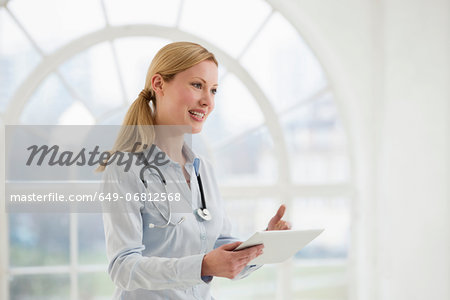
154, 253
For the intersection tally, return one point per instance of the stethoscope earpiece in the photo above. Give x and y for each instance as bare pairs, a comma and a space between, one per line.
151, 225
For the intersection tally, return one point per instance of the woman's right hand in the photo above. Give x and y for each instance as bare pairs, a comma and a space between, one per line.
224, 262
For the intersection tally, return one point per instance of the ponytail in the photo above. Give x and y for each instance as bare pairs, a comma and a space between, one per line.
136, 132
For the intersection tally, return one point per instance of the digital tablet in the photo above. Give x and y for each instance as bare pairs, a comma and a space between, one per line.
279, 245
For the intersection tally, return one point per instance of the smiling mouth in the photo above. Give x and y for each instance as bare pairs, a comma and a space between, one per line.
197, 115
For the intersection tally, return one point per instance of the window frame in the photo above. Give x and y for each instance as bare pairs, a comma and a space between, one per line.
49, 65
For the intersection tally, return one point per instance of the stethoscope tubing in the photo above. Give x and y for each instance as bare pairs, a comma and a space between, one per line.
202, 212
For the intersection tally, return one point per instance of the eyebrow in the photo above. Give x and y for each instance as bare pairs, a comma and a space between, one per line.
216, 84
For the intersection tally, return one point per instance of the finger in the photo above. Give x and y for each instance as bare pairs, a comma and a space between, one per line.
287, 226
248, 251
278, 225
240, 255
251, 248
252, 256
279, 213
242, 265
231, 246
282, 225
246, 259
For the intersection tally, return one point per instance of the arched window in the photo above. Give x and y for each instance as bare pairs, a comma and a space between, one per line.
275, 135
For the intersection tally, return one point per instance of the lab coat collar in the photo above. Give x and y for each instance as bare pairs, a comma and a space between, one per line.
187, 151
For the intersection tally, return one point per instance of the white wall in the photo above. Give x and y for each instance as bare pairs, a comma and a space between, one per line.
414, 237
389, 63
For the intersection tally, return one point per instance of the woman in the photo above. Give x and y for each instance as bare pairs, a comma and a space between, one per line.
153, 252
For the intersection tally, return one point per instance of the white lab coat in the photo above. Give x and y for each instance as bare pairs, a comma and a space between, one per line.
163, 263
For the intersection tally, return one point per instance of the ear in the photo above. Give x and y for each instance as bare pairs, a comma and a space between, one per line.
158, 84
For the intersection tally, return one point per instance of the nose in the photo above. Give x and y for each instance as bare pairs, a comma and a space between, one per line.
207, 99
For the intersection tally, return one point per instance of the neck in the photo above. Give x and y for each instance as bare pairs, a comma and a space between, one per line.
172, 144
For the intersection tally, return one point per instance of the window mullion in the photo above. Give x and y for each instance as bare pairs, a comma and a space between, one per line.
257, 32
180, 12
71, 90
119, 74
105, 14
73, 256
25, 32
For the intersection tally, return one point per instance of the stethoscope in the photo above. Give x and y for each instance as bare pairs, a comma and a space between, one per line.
202, 212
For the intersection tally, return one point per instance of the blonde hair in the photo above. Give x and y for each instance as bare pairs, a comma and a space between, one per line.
169, 60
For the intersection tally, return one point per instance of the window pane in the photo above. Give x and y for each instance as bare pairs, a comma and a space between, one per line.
320, 269
53, 23
245, 223
91, 239
207, 19
235, 111
316, 143
52, 95
77, 114
283, 64
40, 287
17, 58
95, 286
93, 74
333, 214
320, 280
147, 12
247, 159
261, 284
114, 117
39, 239
135, 55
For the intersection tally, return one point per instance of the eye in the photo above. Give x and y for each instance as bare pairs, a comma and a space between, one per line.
197, 85
214, 91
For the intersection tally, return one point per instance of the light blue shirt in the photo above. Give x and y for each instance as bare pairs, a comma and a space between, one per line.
163, 263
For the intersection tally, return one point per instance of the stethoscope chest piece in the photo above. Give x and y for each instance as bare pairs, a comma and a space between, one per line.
204, 214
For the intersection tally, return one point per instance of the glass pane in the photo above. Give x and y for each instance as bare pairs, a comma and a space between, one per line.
261, 284
320, 281
235, 111
283, 64
38, 239
52, 96
247, 159
244, 223
207, 18
40, 287
17, 58
95, 286
135, 55
316, 143
91, 239
147, 12
76, 114
114, 117
53, 23
93, 74
333, 214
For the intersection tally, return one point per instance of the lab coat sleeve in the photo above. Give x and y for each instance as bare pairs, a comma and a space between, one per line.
225, 236
128, 268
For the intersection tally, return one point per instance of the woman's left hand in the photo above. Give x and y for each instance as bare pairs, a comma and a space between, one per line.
276, 223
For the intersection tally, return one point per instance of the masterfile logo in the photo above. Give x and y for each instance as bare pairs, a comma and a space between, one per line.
60, 168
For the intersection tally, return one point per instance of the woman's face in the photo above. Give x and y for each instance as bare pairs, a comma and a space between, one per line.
188, 98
